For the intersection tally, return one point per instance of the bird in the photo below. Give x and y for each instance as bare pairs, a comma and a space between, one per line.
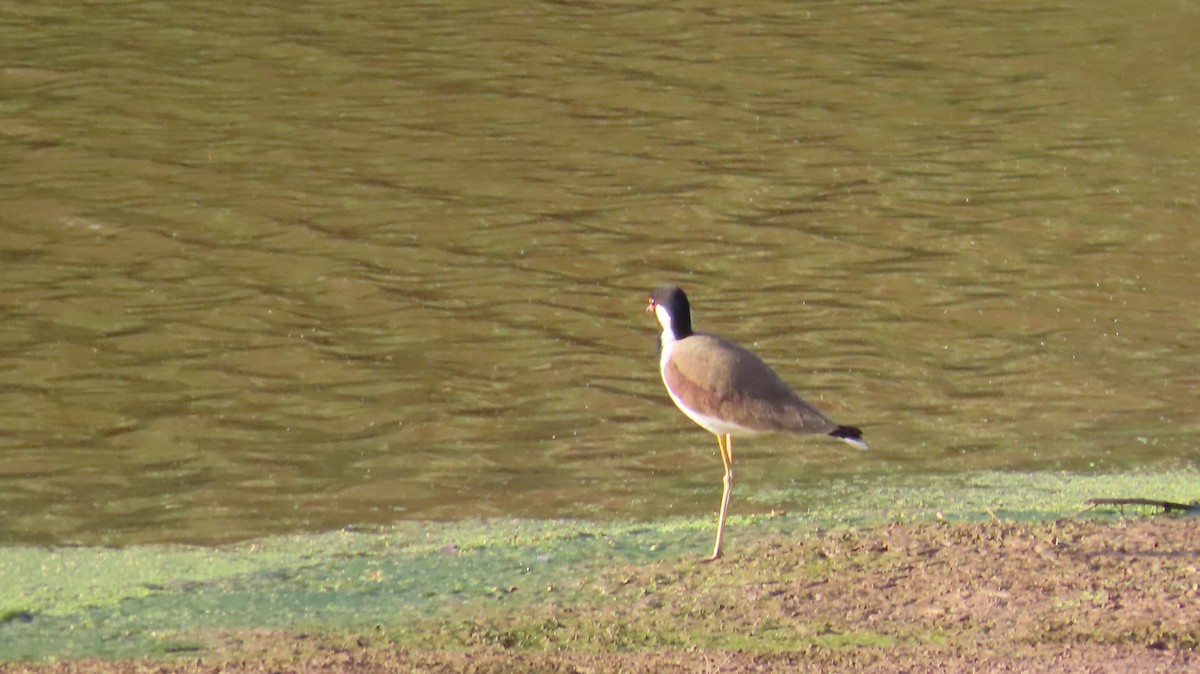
728, 390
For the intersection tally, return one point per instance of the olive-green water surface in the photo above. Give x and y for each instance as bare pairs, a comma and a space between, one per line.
276, 267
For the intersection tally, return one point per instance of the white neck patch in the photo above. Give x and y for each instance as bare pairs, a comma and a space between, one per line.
664, 319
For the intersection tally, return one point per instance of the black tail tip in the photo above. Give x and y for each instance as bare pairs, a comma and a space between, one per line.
850, 434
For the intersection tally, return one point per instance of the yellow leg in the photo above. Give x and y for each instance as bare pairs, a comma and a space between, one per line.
726, 459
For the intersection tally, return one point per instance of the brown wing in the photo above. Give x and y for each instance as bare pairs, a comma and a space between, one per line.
719, 378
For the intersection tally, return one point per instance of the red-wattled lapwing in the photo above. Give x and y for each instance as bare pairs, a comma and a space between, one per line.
728, 390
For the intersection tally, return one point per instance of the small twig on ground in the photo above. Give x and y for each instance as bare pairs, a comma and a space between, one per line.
1167, 506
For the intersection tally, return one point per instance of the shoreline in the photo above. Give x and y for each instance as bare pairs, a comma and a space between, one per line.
1096, 592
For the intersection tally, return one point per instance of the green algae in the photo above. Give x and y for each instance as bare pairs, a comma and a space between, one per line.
969, 496
418, 582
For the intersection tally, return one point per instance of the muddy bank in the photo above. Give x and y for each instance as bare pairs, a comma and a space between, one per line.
1088, 595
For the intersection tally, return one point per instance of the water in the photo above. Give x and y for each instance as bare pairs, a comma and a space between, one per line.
268, 268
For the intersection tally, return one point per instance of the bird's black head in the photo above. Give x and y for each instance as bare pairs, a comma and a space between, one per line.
670, 305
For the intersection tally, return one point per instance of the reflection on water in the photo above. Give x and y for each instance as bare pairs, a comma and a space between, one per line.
301, 267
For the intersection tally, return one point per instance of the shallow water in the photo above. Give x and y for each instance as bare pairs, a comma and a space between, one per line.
276, 268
